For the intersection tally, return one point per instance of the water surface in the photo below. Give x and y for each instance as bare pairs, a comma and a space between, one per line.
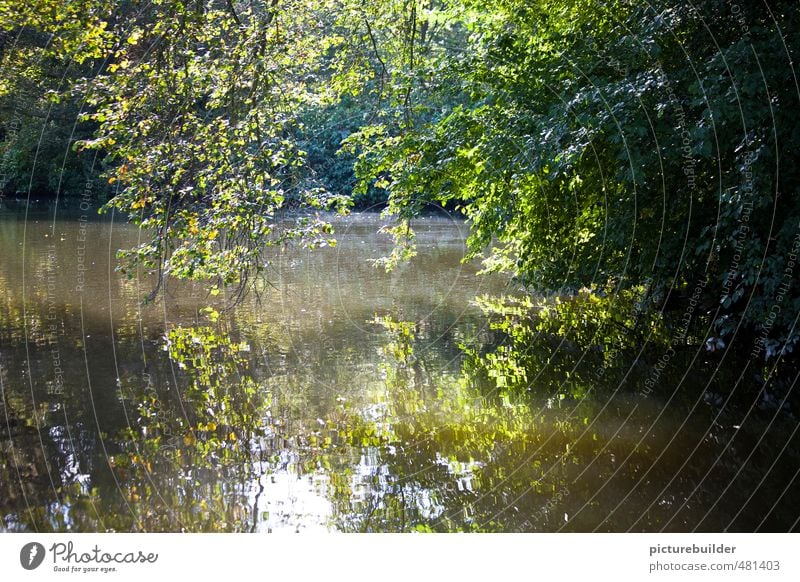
339, 399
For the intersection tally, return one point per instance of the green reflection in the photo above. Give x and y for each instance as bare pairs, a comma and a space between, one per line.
427, 450
188, 460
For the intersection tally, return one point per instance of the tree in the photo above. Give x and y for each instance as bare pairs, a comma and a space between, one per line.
197, 111
619, 144
45, 49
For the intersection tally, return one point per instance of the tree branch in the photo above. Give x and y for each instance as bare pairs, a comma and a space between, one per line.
232, 10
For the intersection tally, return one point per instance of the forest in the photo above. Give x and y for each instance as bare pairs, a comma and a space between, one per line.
622, 176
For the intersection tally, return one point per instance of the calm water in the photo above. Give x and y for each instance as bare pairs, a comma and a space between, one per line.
339, 400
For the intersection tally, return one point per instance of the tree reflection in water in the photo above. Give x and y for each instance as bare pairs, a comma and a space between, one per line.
544, 427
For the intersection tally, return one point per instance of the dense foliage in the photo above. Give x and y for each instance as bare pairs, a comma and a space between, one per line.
623, 143
45, 50
608, 146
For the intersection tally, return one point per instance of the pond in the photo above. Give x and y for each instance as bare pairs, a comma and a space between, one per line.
344, 398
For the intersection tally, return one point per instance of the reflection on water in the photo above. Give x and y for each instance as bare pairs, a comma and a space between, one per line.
345, 398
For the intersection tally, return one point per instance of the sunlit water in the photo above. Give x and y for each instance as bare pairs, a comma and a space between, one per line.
336, 400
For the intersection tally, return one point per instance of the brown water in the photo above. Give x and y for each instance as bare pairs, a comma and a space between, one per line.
338, 400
